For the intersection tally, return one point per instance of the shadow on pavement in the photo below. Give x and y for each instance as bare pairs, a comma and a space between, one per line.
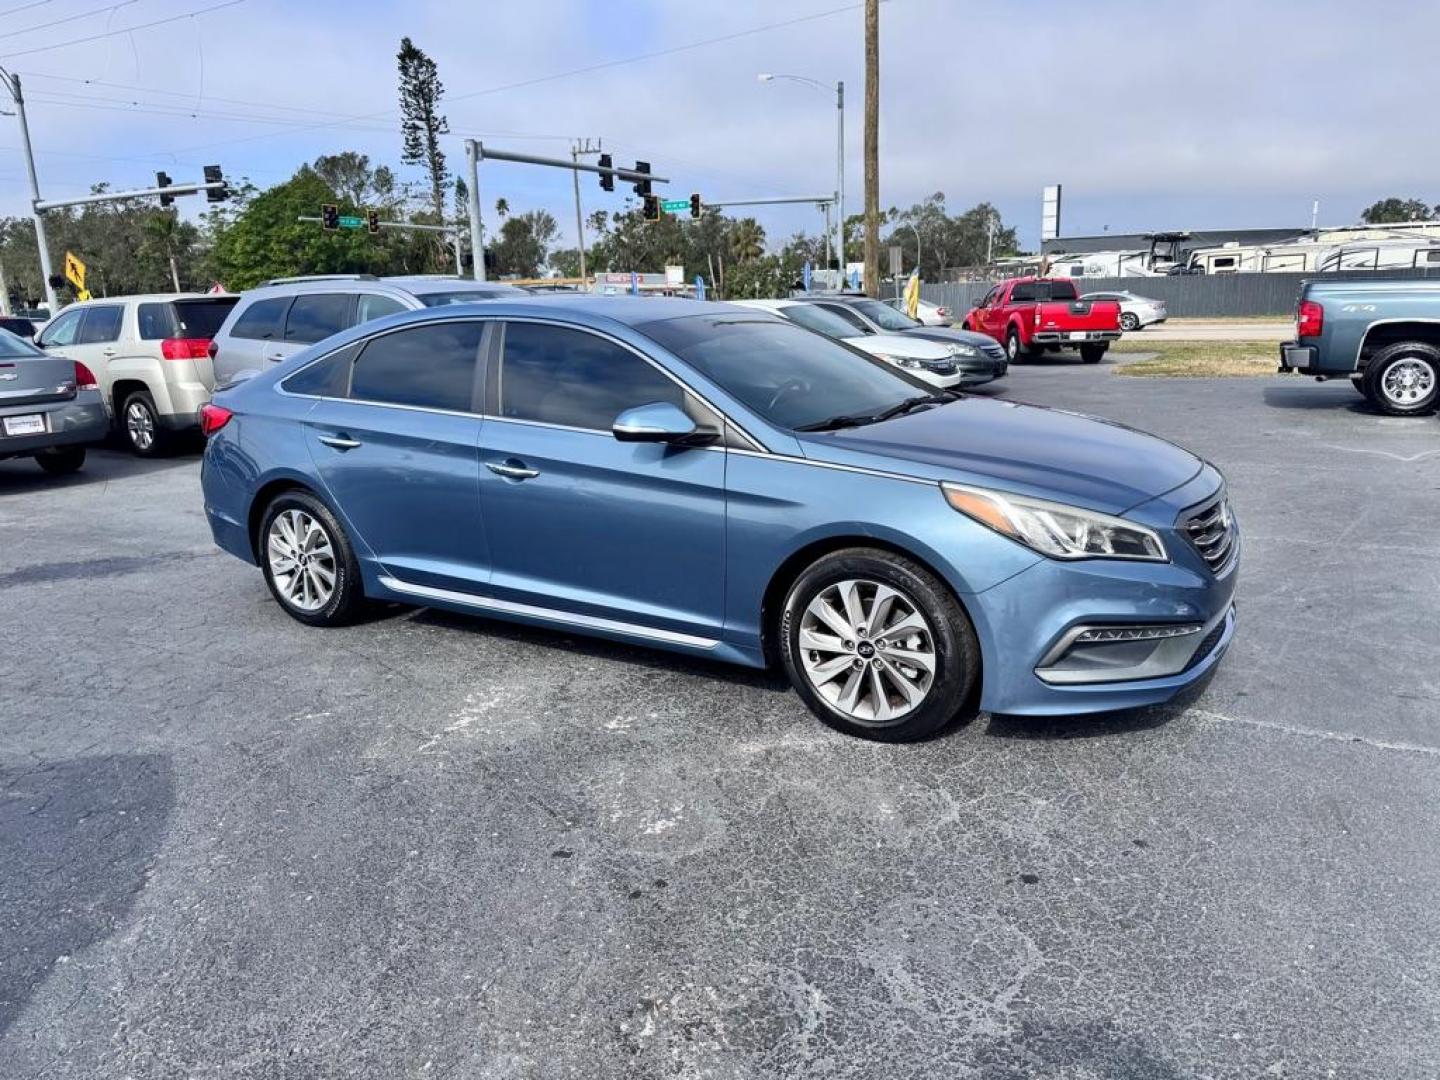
77, 839
19, 476
1316, 396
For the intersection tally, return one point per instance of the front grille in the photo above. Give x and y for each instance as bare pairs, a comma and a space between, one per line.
1211, 531
993, 350
943, 367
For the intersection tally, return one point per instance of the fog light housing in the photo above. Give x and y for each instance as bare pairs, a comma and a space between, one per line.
1121, 653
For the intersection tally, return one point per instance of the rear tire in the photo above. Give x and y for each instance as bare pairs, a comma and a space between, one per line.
1404, 379
1129, 322
1093, 354
140, 422
902, 680
308, 562
61, 460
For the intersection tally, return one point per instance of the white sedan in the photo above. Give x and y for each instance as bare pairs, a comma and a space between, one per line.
929, 361
1136, 312
927, 314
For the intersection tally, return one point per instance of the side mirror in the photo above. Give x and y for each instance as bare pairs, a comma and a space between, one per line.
657, 422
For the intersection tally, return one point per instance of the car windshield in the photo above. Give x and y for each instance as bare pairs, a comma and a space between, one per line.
13, 347
819, 320
792, 378
886, 318
460, 296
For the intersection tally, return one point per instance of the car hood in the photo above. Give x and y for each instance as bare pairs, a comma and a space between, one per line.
950, 335
1025, 449
899, 345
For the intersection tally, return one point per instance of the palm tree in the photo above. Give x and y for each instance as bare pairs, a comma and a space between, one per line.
502, 207
747, 240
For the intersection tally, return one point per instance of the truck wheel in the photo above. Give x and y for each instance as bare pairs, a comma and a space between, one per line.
1404, 379
1014, 352
1091, 354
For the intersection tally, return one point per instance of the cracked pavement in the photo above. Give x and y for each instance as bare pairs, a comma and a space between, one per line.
433, 846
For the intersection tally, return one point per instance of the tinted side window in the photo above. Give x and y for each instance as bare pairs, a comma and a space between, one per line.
156, 321
557, 375
262, 320
63, 330
317, 316
849, 316
329, 377
376, 306
430, 366
101, 324
1025, 293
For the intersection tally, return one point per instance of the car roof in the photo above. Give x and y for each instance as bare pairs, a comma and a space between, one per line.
145, 298
424, 283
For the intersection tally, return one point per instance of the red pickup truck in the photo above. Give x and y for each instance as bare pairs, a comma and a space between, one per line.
1029, 315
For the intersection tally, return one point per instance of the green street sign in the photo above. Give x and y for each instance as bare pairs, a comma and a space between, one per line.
670, 206
348, 222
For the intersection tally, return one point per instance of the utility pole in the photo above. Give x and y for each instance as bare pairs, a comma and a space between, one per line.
12, 84
576, 151
872, 147
477, 231
4, 292
989, 238
840, 181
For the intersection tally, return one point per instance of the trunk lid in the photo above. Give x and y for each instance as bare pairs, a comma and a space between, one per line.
35, 380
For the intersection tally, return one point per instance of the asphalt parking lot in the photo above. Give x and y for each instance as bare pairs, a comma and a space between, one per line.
425, 846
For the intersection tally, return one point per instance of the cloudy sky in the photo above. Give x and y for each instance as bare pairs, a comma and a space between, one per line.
1153, 113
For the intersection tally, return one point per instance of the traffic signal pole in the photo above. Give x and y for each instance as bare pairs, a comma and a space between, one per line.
12, 84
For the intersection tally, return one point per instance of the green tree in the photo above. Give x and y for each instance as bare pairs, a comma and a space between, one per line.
421, 122
524, 243
946, 241
747, 240
1395, 210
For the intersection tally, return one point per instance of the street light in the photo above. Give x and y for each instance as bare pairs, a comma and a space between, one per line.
805, 80
11, 83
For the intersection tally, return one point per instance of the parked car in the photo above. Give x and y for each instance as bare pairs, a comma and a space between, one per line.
1384, 336
720, 482
1030, 314
978, 358
19, 326
926, 313
1136, 312
284, 315
149, 357
50, 407
928, 361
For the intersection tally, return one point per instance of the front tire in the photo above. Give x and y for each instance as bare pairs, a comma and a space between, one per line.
1404, 379
1092, 354
877, 646
140, 421
62, 460
1014, 351
308, 562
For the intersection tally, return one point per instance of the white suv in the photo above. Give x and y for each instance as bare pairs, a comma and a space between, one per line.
149, 355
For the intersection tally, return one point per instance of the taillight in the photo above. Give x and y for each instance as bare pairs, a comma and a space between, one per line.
212, 349
943, 313
84, 378
213, 417
1310, 319
185, 348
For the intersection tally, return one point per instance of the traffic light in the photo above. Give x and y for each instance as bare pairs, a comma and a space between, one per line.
642, 187
652, 208
607, 180
329, 217
695, 204
163, 181
213, 175
372, 221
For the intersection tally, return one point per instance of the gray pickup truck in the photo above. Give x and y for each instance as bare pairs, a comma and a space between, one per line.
1384, 336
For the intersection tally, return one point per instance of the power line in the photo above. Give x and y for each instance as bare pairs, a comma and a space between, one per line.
24, 7
122, 30
71, 18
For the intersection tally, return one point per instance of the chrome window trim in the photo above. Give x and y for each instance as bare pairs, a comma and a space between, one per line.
686, 387
863, 470
569, 618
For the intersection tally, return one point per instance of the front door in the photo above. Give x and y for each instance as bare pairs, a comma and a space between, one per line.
578, 522
396, 447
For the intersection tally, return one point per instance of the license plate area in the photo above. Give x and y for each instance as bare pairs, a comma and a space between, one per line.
1078, 335
30, 424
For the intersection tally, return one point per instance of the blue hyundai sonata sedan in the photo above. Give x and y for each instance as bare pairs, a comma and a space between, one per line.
716, 481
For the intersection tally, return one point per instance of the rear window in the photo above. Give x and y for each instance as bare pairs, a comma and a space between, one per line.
1031, 291
13, 346
262, 320
202, 318
315, 317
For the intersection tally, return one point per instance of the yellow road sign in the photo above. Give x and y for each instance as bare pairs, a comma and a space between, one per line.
83, 294
74, 271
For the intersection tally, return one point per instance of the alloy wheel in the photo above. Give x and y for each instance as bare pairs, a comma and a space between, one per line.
302, 560
867, 650
1408, 381
140, 425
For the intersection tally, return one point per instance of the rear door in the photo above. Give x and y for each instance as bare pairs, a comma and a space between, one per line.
312, 317
259, 325
394, 439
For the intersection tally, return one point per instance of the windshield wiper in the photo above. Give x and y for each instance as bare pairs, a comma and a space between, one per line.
912, 403
857, 420
830, 423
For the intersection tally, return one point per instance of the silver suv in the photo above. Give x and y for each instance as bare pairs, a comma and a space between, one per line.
149, 355
282, 316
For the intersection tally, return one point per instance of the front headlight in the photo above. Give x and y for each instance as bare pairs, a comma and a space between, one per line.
901, 361
964, 350
1057, 530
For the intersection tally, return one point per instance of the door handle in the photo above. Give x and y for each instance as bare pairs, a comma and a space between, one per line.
340, 442
276, 357
107, 352
512, 470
